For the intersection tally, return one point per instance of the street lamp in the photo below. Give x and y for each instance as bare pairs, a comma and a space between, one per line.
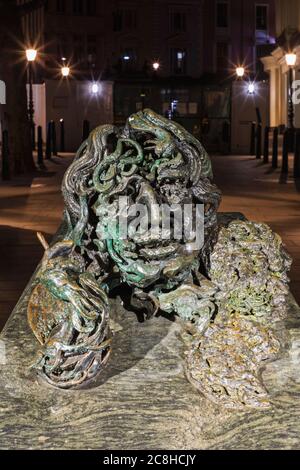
155, 66
31, 56
240, 71
65, 71
291, 59
251, 88
95, 88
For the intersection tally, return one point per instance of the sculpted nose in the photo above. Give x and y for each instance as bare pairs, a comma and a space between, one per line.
147, 196
149, 229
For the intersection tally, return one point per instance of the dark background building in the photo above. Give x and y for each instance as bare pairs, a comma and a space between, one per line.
121, 37
195, 44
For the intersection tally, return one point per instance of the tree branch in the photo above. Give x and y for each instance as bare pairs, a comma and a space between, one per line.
29, 7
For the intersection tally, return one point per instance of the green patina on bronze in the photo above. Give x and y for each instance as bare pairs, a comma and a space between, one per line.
229, 293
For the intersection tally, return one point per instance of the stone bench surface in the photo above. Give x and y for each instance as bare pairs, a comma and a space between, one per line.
142, 400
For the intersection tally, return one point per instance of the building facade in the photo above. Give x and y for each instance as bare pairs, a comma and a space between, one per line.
195, 44
123, 37
120, 37
288, 40
234, 32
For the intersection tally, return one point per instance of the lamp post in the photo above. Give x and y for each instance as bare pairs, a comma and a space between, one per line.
155, 68
290, 59
31, 56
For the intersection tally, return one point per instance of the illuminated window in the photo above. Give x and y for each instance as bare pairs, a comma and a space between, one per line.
129, 59
178, 61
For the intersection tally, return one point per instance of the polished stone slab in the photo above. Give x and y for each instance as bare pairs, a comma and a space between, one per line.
142, 400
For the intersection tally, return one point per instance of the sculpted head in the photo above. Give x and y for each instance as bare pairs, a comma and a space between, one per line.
152, 179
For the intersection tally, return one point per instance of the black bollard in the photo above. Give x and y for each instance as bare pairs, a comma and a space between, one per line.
252, 139
40, 156
297, 155
53, 135
291, 139
225, 137
258, 140
285, 152
48, 141
266, 144
275, 148
85, 129
62, 135
33, 136
5, 157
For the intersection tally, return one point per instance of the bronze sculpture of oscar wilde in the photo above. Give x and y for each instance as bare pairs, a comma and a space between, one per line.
229, 292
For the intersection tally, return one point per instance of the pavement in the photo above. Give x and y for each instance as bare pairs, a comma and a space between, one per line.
34, 203
27, 204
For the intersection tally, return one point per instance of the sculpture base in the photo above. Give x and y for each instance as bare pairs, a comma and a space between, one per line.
142, 400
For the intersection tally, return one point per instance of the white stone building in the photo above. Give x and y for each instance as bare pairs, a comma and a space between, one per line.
288, 34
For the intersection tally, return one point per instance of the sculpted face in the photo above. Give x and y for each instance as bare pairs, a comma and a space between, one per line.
149, 177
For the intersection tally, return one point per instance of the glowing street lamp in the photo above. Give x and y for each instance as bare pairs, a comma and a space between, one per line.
65, 71
240, 71
31, 56
95, 88
155, 66
290, 59
251, 88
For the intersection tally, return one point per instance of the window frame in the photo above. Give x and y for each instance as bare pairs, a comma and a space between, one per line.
227, 65
126, 20
222, 28
91, 8
266, 5
64, 9
173, 11
79, 46
79, 12
91, 48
